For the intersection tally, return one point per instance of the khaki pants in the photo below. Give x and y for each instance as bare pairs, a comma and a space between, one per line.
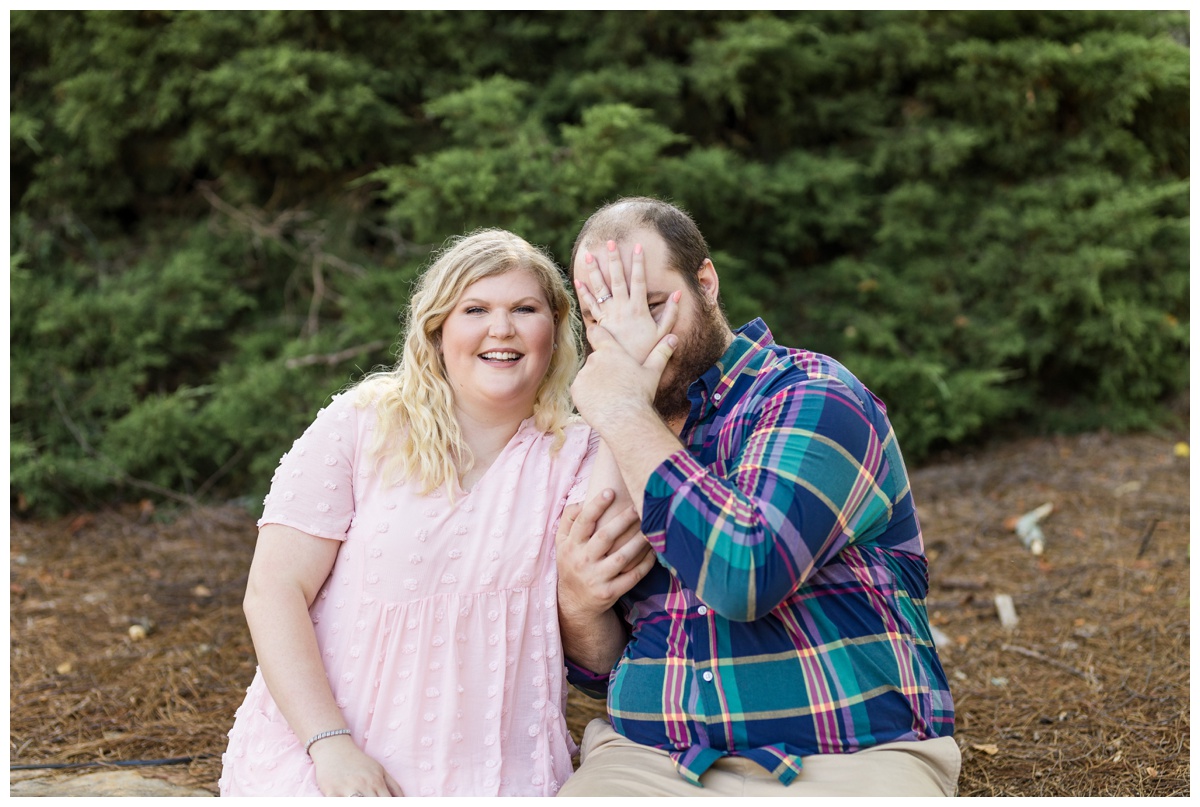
611, 765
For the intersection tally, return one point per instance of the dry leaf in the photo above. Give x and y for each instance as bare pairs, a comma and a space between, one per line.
64, 668
201, 591
79, 522
988, 748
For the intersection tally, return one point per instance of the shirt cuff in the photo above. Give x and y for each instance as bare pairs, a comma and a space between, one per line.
586, 681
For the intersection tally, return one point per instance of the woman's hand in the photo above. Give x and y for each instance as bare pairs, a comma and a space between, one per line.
623, 309
343, 769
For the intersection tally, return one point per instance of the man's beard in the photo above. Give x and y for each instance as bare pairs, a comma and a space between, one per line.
697, 351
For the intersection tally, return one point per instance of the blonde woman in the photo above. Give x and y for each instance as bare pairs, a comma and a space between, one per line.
402, 593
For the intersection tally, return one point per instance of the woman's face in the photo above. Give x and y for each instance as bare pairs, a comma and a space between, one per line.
497, 343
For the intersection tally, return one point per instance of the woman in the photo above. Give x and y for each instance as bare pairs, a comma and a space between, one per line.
402, 593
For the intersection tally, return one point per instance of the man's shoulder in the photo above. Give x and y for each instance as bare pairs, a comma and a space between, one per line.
797, 365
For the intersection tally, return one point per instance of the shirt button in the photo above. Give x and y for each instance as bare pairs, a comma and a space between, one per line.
702, 610
716, 396
707, 675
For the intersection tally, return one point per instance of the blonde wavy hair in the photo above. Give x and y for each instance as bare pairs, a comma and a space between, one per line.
417, 436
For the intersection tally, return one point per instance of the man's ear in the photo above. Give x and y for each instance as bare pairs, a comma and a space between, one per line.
710, 284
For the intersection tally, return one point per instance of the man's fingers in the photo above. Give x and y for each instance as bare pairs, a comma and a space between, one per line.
392, 785
570, 513
598, 335
583, 521
627, 580
634, 554
609, 534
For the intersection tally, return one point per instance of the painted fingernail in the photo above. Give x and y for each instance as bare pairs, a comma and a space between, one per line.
612, 245
637, 249
587, 257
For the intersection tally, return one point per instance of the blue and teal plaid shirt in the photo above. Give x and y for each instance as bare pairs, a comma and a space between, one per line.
786, 615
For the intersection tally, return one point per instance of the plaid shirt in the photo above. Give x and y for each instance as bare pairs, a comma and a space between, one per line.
786, 615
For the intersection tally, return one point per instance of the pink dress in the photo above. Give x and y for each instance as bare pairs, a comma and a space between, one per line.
438, 624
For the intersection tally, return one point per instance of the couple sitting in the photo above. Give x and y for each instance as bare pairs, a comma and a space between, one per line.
725, 545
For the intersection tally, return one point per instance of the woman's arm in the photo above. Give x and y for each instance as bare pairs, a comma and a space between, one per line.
288, 570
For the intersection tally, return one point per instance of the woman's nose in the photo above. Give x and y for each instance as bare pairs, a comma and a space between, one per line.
501, 324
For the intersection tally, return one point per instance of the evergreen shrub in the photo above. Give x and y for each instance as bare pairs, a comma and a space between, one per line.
217, 216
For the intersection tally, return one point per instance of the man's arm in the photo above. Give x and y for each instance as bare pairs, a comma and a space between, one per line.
597, 564
804, 483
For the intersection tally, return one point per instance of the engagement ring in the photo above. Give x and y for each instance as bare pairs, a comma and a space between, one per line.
605, 297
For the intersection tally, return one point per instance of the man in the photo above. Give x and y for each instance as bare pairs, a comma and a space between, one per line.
780, 645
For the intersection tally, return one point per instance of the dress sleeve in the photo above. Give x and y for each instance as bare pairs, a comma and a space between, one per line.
313, 486
579, 487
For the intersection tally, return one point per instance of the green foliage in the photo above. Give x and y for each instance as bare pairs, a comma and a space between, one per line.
217, 215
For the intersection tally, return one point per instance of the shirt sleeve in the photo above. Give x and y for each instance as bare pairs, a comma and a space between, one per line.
579, 487
313, 486
746, 533
586, 681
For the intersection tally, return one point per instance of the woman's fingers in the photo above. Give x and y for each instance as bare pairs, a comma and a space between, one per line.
670, 313
637, 274
616, 272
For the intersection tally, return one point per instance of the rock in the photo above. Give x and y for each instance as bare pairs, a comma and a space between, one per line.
102, 783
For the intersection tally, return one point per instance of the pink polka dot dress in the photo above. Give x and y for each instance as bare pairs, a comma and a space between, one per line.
438, 624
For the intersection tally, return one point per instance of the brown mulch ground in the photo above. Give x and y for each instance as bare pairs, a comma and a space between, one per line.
1087, 696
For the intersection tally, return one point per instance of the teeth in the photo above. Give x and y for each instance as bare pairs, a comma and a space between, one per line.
500, 355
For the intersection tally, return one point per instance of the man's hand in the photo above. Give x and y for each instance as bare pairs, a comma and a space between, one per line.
597, 565
613, 385
622, 308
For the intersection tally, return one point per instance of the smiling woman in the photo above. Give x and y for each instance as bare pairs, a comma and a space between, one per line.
496, 345
402, 608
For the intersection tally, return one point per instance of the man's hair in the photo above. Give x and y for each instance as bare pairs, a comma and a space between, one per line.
686, 247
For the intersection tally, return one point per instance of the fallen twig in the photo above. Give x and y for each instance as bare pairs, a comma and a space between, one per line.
968, 583
1146, 537
1033, 654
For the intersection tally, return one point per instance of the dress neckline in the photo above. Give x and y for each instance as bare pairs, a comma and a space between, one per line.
519, 436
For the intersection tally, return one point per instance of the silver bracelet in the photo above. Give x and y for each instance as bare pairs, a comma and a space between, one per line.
322, 735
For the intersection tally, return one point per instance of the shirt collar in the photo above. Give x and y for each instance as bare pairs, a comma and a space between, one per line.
716, 382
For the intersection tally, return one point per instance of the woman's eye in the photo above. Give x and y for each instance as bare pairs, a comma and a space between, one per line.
474, 310
526, 309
